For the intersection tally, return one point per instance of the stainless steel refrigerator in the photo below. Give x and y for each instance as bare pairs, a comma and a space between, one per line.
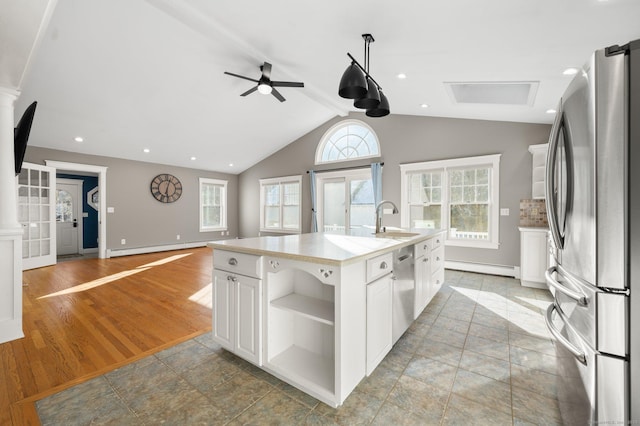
593, 205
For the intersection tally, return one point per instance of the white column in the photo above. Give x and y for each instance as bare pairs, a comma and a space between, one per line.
10, 229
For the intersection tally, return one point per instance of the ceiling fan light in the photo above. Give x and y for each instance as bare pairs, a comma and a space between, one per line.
371, 99
353, 84
382, 109
264, 88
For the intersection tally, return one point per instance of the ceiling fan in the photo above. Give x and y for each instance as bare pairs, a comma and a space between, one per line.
265, 85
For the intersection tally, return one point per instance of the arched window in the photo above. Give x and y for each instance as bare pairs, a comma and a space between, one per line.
347, 140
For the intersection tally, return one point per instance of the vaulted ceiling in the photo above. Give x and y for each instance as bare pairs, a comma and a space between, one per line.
126, 75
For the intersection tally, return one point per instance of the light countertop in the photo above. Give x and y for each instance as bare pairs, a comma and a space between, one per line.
318, 247
534, 228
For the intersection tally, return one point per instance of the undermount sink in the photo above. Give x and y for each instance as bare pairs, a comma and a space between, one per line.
396, 234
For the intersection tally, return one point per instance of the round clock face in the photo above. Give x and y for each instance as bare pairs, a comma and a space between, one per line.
166, 188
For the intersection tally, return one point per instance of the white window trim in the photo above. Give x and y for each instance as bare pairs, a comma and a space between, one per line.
222, 183
443, 165
280, 181
328, 133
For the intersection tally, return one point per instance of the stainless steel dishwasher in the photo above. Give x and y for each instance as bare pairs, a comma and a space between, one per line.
403, 291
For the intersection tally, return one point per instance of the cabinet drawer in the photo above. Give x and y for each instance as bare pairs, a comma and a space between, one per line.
437, 241
379, 266
422, 248
437, 259
240, 263
437, 279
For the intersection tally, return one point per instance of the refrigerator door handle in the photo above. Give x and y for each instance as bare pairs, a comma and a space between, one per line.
551, 178
575, 295
575, 351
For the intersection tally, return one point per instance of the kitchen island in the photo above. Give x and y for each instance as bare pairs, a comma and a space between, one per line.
316, 310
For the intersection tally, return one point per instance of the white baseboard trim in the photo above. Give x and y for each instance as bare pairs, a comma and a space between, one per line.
482, 268
154, 249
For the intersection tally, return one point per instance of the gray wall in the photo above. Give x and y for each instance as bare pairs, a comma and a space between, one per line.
410, 139
138, 217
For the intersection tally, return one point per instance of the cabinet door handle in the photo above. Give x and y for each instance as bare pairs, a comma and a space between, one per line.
233, 261
383, 265
425, 259
437, 258
231, 278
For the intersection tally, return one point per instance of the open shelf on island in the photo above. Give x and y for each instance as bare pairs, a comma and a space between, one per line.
308, 369
310, 307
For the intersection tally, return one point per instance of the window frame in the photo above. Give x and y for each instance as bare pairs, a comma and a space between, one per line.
485, 161
223, 204
345, 176
280, 181
333, 129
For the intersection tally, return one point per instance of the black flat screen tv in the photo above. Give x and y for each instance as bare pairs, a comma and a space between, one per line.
21, 136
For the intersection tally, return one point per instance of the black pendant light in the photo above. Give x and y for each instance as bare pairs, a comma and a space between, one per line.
353, 84
371, 98
356, 83
382, 109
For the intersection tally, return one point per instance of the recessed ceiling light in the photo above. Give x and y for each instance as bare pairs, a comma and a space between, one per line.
78, 139
146, 150
193, 158
402, 76
570, 71
551, 111
424, 106
230, 164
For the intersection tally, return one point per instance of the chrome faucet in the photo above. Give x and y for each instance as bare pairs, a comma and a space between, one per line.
379, 215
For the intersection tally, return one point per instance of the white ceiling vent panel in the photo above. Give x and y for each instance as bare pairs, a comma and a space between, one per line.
493, 92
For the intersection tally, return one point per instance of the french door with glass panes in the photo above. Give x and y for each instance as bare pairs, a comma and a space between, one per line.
345, 201
36, 213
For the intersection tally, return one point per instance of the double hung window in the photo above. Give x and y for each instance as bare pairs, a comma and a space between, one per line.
213, 205
280, 204
460, 195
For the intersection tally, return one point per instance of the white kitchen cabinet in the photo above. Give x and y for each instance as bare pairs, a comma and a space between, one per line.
422, 270
223, 311
538, 170
534, 256
237, 307
429, 271
379, 320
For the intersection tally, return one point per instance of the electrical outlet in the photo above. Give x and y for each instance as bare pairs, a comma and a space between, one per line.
123, 241
504, 212
178, 237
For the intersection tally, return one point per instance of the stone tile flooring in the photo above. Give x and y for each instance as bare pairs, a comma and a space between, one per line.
479, 354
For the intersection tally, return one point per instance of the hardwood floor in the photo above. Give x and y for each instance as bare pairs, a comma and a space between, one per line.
84, 318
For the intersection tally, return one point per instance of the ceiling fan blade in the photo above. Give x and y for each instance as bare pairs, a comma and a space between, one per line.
286, 84
277, 94
250, 91
266, 70
241, 76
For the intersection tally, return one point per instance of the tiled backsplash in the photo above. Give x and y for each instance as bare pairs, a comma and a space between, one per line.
533, 213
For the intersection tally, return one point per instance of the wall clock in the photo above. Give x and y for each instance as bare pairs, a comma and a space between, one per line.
166, 188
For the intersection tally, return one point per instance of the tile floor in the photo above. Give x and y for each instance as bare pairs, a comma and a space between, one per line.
479, 354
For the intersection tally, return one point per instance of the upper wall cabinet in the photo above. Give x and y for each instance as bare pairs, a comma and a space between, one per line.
538, 169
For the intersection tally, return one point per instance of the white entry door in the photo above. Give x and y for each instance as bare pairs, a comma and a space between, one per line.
36, 204
68, 216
